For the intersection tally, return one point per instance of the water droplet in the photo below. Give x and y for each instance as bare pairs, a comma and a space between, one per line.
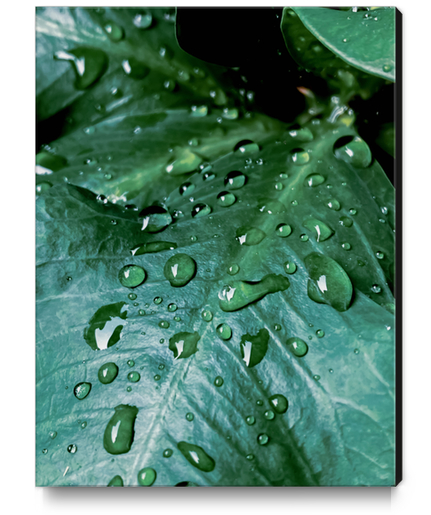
380, 255
313, 180
172, 307
116, 481
133, 377
157, 300
135, 69
303, 237
132, 276
346, 221
279, 403
283, 230
107, 373
248, 236
235, 180
299, 156
199, 111
302, 134
233, 269
238, 294
224, 332
290, 267
263, 439
72, 448
190, 417
376, 288
250, 457
278, 186
387, 67
352, 212
155, 219
132, 296
82, 390
115, 32
42, 187
184, 344
119, 432
179, 269
259, 402
353, 150
185, 161
226, 199
346, 246
277, 327
157, 377
218, 381
196, 456
44, 451
316, 378
250, 420
167, 453
230, 113
328, 283
129, 389
143, 20
207, 315
334, 204
298, 346
152, 247
254, 347
147, 476
164, 324
356, 351
323, 231
200, 210
269, 415
52, 434
271, 207
177, 319
320, 333
89, 64
246, 146
104, 329
83, 425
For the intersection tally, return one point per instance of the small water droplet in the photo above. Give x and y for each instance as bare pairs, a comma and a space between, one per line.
316, 377
89, 64
143, 20
299, 156
283, 230
82, 390
356, 351
235, 180
184, 344
279, 403
314, 180
380, 255
263, 439
353, 150
218, 381
196, 456
147, 476
250, 420
207, 315
376, 288
164, 324
167, 453
233, 269
346, 221
290, 267
226, 199
298, 346
246, 146
346, 246
269, 415
334, 204
172, 307
107, 373
72, 449
249, 236
44, 451
132, 276
133, 377
224, 332
200, 209
190, 417
320, 333
199, 111
303, 237
277, 327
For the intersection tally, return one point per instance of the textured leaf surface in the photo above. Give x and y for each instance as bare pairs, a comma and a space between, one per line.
339, 427
365, 40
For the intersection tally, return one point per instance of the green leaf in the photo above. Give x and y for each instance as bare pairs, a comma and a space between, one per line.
339, 425
365, 40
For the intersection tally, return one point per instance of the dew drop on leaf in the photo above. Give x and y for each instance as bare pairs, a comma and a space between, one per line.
353, 150
190, 417
116, 481
133, 377
200, 209
218, 381
290, 267
115, 32
314, 180
72, 448
320, 333
235, 180
323, 232
147, 476
298, 346
283, 230
250, 420
207, 315
224, 332
119, 432
246, 146
299, 156
247, 235
143, 20
334, 204
254, 347
132, 276
196, 456
89, 64
184, 344
107, 373
225, 199
155, 219
172, 307
179, 270
263, 439
269, 415
167, 453
279, 403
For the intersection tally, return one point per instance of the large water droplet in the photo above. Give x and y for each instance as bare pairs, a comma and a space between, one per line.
147, 476
271, 207
119, 432
107, 373
185, 161
353, 150
230, 114
82, 390
115, 32
246, 146
298, 346
263, 439
328, 283
200, 210
183, 344
153, 247
254, 347
143, 20
116, 481
196, 456
133, 377
186, 188
302, 134
290, 267
238, 294
346, 221
104, 329
132, 276
224, 332
134, 68
199, 111
279, 403
225, 199
299, 156
235, 180
179, 269
233, 269
334, 204
313, 180
155, 219
283, 230
89, 64
323, 231
207, 315
249, 236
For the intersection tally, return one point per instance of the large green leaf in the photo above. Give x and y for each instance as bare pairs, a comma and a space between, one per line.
365, 40
339, 426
